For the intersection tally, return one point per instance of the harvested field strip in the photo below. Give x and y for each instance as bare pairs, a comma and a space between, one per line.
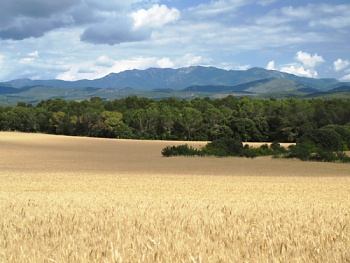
48, 153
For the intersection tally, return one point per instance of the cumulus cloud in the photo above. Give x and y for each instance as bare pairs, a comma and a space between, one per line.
305, 66
242, 67
300, 71
217, 8
121, 27
311, 16
104, 61
331, 16
346, 78
156, 16
192, 60
34, 8
341, 64
165, 63
34, 54
26, 60
102, 21
23, 19
271, 65
309, 61
113, 32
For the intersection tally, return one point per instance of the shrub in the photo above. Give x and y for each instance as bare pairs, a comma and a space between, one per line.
181, 150
329, 156
249, 152
327, 139
302, 151
224, 147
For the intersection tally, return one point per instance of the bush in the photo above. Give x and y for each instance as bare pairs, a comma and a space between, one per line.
326, 139
264, 150
181, 150
224, 147
302, 151
329, 156
249, 152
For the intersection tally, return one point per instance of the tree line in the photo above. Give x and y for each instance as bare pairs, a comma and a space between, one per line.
285, 120
316, 125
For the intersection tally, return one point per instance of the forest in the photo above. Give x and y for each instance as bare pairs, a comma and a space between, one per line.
316, 121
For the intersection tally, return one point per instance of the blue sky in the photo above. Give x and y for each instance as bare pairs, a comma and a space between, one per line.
88, 39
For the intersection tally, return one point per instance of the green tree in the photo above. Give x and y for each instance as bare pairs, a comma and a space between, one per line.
167, 118
58, 122
191, 120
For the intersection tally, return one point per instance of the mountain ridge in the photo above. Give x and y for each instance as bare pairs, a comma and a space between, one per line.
180, 78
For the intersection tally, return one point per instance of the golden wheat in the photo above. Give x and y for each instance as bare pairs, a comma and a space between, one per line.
83, 205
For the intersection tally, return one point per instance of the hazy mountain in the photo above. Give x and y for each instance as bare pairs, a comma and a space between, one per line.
8, 90
156, 78
254, 87
340, 89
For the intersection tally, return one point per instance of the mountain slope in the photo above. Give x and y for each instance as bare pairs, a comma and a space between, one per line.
256, 87
157, 78
8, 90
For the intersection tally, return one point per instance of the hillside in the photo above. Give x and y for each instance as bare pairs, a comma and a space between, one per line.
184, 83
157, 78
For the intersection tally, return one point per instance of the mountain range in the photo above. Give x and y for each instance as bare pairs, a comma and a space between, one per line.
153, 82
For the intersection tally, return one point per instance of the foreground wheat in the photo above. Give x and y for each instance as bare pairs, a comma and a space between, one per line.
90, 200
145, 218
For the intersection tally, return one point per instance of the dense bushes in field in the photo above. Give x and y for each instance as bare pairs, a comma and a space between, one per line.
316, 125
326, 144
181, 150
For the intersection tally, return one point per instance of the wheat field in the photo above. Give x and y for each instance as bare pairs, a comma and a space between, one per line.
69, 199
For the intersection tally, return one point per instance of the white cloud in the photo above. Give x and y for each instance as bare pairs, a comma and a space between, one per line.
304, 67
34, 54
31, 57
191, 60
217, 8
341, 64
156, 16
114, 31
331, 16
242, 67
104, 61
299, 71
165, 63
271, 65
346, 78
26, 60
314, 15
309, 61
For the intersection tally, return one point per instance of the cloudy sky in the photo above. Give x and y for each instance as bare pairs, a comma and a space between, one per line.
87, 39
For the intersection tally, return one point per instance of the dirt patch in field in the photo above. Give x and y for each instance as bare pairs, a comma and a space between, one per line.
38, 153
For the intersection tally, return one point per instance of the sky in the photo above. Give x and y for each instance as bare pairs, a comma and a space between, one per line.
88, 39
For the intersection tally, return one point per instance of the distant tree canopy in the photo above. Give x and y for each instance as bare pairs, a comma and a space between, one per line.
285, 120
316, 125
